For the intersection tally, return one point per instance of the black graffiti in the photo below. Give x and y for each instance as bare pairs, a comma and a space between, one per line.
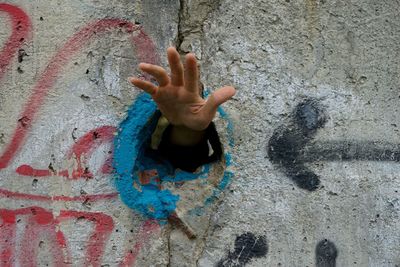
291, 146
325, 254
247, 247
286, 144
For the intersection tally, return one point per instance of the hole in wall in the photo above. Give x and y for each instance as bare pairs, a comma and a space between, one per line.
186, 158
154, 185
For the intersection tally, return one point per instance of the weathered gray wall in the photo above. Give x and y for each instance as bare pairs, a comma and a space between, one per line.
317, 83
344, 54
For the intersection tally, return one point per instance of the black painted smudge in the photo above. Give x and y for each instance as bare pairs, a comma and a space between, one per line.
286, 144
21, 55
291, 146
325, 254
247, 247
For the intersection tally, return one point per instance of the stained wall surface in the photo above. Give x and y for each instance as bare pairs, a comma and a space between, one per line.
311, 142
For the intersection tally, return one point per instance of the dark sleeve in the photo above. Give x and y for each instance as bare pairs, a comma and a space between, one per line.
189, 158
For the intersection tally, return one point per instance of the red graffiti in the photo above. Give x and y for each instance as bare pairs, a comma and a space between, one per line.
40, 225
81, 150
20, 246
54, 68
21, 26
104, 225
148, 227
86, 144
82, 198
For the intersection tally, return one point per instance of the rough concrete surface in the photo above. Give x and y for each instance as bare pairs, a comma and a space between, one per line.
314, 150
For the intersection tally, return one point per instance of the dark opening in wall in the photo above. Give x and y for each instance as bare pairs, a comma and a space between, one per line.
187, 158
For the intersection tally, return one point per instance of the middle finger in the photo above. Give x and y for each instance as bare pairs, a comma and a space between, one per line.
176, 66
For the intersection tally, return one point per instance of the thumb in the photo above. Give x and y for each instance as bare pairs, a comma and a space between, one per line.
217, 98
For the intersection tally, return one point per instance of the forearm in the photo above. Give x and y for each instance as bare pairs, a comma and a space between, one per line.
188, 149
184, 136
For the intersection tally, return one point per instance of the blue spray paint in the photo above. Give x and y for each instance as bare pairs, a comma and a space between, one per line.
128, 144
130, 159
229, 127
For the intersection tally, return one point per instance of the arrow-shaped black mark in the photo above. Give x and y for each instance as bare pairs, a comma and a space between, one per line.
291, 146
287, 143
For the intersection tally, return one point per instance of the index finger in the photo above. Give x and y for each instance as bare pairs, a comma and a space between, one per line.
157, 72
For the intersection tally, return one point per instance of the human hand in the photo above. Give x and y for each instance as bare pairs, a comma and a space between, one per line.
178, 96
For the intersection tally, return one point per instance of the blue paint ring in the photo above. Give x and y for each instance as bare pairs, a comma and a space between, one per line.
148, 199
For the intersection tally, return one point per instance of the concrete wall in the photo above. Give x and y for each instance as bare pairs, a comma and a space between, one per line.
314, 149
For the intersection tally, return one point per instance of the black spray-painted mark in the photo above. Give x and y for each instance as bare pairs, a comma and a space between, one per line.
247, 247
325, 254
291, 146
286, 144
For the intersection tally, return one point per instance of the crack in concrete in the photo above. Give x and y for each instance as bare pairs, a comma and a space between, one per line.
191, 19
192, 15
202, 247
179, 37
207, 233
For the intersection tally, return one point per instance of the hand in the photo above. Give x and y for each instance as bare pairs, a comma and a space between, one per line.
178, 97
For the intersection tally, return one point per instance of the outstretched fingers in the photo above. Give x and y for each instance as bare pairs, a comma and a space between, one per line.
176, 66
218, 98
146, 86
157, 72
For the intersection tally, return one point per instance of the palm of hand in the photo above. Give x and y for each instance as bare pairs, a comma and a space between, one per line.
178, 96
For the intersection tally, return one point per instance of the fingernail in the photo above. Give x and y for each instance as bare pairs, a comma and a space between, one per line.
142, 65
